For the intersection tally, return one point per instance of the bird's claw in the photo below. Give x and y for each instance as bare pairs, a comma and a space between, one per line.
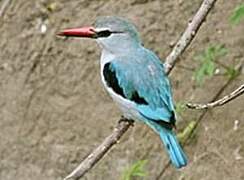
123, 119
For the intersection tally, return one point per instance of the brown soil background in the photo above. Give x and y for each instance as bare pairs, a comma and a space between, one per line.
54, 110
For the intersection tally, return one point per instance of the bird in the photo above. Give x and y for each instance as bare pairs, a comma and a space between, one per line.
135, 78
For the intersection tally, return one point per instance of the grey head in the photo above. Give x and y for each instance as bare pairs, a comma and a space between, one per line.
116, 34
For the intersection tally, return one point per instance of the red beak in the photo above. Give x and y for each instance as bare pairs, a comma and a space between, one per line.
88, 32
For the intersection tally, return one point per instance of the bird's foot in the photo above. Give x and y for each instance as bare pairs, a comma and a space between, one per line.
124, 119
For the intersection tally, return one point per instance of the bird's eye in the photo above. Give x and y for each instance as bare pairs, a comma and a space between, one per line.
104, 33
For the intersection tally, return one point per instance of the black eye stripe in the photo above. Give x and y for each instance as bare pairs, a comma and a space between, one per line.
104, 33
107, 33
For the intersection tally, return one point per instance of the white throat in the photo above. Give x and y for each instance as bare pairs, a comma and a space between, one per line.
106, 57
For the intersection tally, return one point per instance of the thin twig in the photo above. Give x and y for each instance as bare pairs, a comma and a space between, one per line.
171, 60
237, 92
4, 6
200, 118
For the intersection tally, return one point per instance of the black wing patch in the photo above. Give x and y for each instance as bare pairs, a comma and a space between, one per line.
112, 81
136, 98
170, 124
173, 118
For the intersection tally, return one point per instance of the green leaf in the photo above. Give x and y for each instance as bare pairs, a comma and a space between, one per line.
180, 107
237, 15
135, 170
183, 136
207, 59
231, 72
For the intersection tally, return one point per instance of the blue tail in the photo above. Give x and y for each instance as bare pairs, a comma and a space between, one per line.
173, 147
175, 152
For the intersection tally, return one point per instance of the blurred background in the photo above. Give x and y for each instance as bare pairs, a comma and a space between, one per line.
54, 110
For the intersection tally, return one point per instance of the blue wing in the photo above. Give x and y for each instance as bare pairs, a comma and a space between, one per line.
141, 78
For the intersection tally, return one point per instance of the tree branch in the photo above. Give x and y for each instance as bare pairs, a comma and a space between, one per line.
4, 6
171, 60
237, 92
189, 34
102, 149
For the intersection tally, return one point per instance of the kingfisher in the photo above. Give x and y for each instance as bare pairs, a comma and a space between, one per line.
135, 78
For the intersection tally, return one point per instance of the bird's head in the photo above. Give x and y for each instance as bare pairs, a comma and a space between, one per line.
112, 33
